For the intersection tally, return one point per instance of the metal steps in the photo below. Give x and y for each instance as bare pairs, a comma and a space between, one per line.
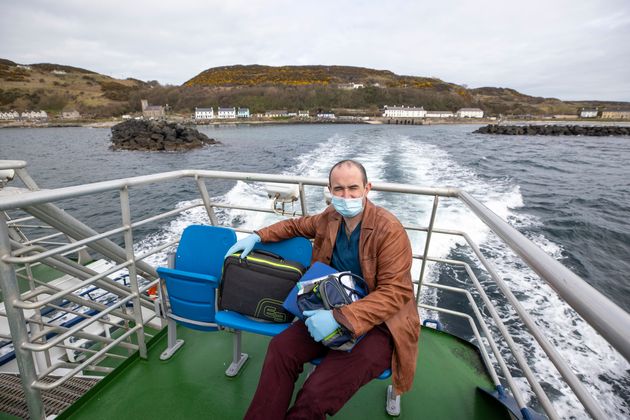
13, 401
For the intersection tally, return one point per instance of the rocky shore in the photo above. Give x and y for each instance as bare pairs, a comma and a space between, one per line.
554, 130
157, 136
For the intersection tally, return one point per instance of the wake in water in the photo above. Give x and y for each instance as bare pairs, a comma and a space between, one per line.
404, 160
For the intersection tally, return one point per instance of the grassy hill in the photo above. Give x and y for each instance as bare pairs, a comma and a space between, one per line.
54, 88
256, 75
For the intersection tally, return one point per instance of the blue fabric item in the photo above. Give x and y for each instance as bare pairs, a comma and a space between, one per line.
320, 323
318, 269
246, 245
345, 255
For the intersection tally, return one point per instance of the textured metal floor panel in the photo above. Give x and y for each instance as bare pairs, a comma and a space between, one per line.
12, 399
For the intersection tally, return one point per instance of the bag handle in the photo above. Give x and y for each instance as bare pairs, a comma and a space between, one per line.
359, 279
267, 253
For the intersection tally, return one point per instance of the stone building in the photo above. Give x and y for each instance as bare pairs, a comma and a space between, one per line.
152, 111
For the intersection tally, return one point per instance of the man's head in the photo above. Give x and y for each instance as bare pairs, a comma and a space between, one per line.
348, 179
348, 184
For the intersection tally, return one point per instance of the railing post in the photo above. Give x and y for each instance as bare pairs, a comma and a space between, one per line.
205, 197
17, 326
303, 199
133, 278
426, 246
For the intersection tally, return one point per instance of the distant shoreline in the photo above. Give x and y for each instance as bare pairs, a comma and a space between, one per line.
373, 121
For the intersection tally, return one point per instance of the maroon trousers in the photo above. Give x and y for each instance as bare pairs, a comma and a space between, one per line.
329, 387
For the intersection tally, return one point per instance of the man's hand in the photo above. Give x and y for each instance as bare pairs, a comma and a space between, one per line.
246, 245
320, 323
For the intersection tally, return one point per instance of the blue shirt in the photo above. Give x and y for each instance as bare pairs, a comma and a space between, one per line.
345, 255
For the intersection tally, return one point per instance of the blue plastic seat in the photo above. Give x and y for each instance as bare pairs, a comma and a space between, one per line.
192, 281
191, 287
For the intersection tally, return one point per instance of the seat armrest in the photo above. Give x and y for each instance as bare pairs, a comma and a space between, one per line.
186, 275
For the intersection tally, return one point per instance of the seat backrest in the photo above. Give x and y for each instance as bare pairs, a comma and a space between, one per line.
295, 249
202, 248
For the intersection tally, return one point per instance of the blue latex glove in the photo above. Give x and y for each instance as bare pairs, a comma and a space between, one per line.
245, 245
320, 323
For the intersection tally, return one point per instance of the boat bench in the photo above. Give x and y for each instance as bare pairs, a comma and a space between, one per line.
188, 293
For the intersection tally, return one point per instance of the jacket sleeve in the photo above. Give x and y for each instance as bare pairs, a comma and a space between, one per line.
290, 228
394, 287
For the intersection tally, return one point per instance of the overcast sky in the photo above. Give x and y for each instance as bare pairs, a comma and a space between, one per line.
568, 49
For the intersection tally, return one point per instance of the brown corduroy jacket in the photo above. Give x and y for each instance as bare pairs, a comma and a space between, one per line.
385, 258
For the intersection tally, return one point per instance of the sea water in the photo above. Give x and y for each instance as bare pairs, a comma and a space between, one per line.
569, 195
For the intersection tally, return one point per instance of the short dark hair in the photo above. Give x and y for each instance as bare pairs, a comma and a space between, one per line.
349, 162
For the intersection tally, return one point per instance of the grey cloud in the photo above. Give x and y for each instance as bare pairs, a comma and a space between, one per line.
566, 49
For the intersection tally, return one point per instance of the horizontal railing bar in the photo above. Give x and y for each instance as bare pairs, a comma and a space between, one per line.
65, 248
164, 215
247, 208
43, 238
44, 196
83, 350
12, 222
12, 164
30, 226
58, 329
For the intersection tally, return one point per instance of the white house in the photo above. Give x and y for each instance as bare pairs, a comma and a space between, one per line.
326, 115
439, 114
10, 115
404, 112
243, 113
350, 86
588, 113
226, 113
204, 113
303, 114
469, 113
34, 115
277, 113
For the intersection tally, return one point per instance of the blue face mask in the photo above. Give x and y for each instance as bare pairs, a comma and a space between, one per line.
348, 207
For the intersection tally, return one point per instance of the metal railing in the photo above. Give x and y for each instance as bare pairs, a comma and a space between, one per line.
606, 318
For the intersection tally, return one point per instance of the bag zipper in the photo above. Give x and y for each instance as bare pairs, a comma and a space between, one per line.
270, 263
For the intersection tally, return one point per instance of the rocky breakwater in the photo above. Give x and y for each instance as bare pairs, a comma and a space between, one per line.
156, 136
554, 130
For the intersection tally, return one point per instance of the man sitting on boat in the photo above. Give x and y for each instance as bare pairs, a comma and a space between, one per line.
351, 235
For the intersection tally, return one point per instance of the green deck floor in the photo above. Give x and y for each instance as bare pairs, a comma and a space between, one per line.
192, 384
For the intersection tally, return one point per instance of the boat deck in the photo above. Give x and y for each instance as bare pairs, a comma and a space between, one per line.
192, 384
